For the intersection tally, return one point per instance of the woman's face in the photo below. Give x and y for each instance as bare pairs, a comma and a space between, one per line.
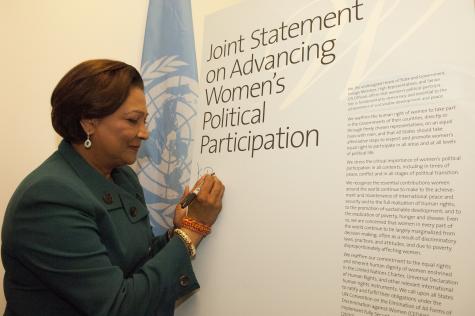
116, 138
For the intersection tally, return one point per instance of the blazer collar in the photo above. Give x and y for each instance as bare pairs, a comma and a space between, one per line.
106, 191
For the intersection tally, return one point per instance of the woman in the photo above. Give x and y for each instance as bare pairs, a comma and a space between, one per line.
76, 238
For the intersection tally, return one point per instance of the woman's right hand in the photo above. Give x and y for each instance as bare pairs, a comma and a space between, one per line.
208, 203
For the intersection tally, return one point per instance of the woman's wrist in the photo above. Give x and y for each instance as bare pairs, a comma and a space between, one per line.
190, 231
190, 238
196, 226
190, 246
194, 236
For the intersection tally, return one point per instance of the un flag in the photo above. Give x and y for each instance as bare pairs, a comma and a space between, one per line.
170, 77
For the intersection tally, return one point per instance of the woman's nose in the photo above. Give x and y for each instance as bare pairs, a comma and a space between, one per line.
143, 132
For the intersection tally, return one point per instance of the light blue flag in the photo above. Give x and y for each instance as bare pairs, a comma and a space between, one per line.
170, 78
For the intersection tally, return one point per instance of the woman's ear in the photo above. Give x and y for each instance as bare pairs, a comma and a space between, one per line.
89, 125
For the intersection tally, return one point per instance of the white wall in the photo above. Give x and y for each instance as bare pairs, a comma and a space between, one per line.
40, 41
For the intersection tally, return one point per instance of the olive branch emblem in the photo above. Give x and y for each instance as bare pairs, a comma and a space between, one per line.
160, 67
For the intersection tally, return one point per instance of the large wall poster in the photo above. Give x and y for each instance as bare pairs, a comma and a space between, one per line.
343, 133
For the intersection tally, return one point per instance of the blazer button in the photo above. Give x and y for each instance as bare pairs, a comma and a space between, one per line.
133, 211
184, 280
107, 198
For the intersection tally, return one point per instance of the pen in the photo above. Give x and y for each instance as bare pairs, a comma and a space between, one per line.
192, 195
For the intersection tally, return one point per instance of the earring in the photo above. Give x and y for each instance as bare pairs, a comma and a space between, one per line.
87, 142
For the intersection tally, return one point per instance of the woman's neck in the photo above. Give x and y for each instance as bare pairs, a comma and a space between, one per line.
91, 157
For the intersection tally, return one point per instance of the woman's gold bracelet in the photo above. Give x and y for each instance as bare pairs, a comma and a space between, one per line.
186, 239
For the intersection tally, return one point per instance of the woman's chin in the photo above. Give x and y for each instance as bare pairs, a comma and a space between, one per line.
129, 159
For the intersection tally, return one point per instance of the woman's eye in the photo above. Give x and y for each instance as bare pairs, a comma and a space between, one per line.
132, 121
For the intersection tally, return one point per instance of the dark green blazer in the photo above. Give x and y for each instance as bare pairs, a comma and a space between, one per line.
75, 243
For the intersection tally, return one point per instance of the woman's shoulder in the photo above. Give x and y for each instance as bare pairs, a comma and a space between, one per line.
54, 179
53, 171
51, 188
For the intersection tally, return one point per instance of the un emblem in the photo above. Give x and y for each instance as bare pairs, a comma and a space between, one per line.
164, 162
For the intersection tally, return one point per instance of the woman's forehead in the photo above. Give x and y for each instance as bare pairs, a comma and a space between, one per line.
135, 102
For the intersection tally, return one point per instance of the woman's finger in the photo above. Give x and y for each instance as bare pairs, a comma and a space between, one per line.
199, 182
216, 189
208, 183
